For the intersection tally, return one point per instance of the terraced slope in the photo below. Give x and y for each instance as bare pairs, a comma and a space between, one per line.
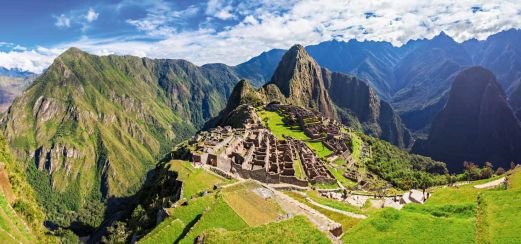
498, 213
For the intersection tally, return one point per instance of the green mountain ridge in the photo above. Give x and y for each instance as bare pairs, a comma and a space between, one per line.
93, 125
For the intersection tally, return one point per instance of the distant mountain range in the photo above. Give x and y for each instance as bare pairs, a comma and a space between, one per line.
300, 81
12, 83
15, 72
416, 77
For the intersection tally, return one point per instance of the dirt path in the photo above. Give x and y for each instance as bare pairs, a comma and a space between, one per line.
350, 214
294, 207
491, 184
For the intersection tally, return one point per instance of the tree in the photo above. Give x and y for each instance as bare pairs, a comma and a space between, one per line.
116, 233
500, 171
472, 171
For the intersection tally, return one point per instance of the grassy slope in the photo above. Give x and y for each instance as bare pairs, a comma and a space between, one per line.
12, 224
181, 219
219, 216
498, 213
294, 230
194, 180
279, 129
393, 226
346, 221
22, 218
448, 216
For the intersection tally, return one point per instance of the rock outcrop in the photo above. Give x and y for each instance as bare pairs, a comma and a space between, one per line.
476, 125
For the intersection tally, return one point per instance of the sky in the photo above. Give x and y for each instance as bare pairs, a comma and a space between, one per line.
34, 32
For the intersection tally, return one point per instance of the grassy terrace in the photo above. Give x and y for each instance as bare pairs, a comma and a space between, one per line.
346, 221
220, 215
295, 230
194, 180
451, 215
499, 211
252, 208
279, 129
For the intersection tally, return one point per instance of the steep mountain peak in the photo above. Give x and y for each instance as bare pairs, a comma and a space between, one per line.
72, 51
477, 124
443, 38
300, 79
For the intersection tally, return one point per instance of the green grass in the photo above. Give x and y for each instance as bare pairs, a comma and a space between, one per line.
181, 218
219, 216
393, 226
194, 180
499, 211
166, 232
338, 175
319, 148
357, 146
299, 170
279, 129
333, 203
13, 224
252, 208
346, 221
295, 230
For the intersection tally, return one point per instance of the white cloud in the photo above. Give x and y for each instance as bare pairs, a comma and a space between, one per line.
34, 60
161, 19
62, 21
263, 25
91, 15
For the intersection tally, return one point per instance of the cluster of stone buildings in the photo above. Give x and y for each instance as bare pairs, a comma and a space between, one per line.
314, 167
251, 153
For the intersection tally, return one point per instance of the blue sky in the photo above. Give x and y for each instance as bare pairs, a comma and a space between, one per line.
34, 32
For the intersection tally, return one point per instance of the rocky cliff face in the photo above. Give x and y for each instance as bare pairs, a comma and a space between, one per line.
476, 125
299, 80
95, 125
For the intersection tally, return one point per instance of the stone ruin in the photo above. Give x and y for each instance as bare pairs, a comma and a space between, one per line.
314, 167
249, 153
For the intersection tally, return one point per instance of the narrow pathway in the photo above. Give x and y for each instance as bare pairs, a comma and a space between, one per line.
349, 214
491, 184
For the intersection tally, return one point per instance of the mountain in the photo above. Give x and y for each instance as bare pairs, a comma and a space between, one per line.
477, 124
260, 69
90, 127
300, 81
15, 72
515, 98
11, 87
369, 60
416, 77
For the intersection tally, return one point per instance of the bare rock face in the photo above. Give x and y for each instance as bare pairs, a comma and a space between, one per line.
477, 124
301, 81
